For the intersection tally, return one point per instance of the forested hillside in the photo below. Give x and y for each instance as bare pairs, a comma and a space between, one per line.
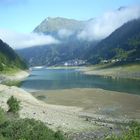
9, 59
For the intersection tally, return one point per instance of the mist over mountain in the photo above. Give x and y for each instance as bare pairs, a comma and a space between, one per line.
76, 40
68, 48
55, 54
100, 27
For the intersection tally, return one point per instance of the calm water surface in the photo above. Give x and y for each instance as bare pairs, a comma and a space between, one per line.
53, 79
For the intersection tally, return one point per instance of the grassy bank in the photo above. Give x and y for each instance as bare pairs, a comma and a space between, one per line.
10, 71
128, 66
131, 132
16, 83
13, 77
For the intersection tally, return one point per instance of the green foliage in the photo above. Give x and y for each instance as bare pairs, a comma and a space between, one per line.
25, 129
58, 135
2, 138
2, 116
9, 59
120, 53
28, 129
134, 42
132, 134
12, 83
14, 104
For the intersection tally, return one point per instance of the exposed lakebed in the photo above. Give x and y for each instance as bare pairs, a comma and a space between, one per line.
96, 95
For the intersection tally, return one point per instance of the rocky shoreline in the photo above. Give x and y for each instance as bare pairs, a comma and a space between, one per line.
77, 123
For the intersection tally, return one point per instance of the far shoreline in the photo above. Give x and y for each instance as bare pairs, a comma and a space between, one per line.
127, 71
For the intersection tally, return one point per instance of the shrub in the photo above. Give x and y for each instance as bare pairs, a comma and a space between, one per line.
28, 129
58, 135
14, 105
24, 129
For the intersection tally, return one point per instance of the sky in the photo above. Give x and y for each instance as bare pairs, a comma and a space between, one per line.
18, 18
25, 15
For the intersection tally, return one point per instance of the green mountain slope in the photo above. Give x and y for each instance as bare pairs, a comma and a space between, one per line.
9, 59
122, 44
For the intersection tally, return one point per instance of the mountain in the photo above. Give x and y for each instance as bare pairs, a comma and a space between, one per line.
69, 48
54, 25
54, 54
122, 44
8, 58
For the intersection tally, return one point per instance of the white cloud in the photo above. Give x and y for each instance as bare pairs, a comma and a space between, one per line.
64, 33
103, 26
24, 40
96, 29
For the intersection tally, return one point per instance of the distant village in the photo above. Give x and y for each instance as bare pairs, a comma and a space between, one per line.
119, 60
74, 62
79, 62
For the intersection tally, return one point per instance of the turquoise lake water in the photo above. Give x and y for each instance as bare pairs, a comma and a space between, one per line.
53, 79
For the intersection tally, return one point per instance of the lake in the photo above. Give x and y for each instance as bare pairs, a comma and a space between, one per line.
54, 79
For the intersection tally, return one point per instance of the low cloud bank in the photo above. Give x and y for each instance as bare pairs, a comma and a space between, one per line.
24, 40
99, 28
65, 33
95, 29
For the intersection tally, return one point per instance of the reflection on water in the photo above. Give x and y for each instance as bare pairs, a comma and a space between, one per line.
48, 79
